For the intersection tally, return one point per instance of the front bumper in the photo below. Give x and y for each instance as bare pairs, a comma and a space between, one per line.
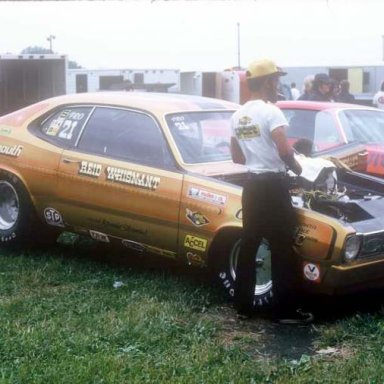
348, 278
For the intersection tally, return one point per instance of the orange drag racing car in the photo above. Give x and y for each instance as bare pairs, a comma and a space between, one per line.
153, 173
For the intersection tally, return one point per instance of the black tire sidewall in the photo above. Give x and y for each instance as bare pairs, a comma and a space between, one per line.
20, 231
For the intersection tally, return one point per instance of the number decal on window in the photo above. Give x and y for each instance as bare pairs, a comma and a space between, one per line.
68, 128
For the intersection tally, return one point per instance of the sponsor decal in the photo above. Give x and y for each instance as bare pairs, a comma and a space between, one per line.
138, 247
194, 259
88, 168
126, 176
196, 243
56, 124
239, 214
14, 151
245, 120
5, 131
196, 218
247, 132
53, 217
99, 236
207, 196
312, 272
9, 237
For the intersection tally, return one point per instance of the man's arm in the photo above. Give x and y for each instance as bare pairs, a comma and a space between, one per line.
236, 152
285, 150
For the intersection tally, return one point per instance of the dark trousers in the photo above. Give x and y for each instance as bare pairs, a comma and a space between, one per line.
267, 213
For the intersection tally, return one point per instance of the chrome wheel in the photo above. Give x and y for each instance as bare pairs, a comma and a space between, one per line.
263, 263
9, 205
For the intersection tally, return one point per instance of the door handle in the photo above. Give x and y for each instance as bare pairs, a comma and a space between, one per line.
68, 161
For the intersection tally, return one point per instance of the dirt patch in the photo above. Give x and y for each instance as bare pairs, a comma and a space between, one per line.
263, 338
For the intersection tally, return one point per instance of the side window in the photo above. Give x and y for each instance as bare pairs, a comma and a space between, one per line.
125, 135
64, 126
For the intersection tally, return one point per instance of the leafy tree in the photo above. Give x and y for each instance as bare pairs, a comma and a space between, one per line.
35, 50
73, 65
41, 50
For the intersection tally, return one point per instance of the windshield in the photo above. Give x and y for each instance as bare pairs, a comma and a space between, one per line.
364, 126
201, 137
318, 127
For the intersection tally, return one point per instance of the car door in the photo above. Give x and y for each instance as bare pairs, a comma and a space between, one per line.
119, 182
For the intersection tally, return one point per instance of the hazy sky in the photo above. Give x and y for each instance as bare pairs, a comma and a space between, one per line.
200, 34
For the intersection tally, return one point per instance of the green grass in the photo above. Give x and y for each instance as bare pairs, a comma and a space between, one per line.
62, 321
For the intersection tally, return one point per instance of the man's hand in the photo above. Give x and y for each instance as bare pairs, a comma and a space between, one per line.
236, 152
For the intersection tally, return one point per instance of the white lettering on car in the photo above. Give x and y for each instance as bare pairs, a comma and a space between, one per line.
14, 151
90, 169
126, 176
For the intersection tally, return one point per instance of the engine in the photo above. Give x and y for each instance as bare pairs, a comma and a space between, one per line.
322, 187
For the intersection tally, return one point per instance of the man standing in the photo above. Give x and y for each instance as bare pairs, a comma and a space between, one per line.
294, 91
259, 141
322, 88
344, 95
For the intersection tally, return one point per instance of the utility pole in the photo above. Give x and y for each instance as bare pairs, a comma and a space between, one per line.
238, 45
50, 38
382, 37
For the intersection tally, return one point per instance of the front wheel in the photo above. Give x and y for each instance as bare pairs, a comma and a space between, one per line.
225, 269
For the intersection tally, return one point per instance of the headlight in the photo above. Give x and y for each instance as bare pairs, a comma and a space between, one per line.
352, 247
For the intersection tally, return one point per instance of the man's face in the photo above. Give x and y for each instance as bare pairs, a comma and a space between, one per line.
273, 88
325, 88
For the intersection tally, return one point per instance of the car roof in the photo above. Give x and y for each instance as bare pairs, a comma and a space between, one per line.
157, 103
319, 105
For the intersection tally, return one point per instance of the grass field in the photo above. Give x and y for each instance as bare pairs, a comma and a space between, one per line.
63, 321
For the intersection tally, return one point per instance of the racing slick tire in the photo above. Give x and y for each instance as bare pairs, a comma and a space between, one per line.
225, 269
18, 221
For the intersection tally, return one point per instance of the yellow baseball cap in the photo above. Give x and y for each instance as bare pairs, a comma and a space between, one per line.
263, 67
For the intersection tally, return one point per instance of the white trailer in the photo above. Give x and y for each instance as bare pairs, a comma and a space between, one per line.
93, 80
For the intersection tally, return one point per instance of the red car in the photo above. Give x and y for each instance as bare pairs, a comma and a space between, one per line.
334, 126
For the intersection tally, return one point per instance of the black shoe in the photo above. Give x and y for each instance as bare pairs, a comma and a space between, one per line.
297, 317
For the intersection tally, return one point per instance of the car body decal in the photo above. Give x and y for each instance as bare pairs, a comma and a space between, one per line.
196, 218
312, 272
207, 196
5, 131
53, 217
196, 243
126, 176
13, 151
99, 236
89, 168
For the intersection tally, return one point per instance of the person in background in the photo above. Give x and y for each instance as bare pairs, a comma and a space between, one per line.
295, 92
344, 96
259, 141
308, 83
378, 99
322, 88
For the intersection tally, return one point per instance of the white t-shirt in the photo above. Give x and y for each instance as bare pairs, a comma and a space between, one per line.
295, 93
378, 100
252, 125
